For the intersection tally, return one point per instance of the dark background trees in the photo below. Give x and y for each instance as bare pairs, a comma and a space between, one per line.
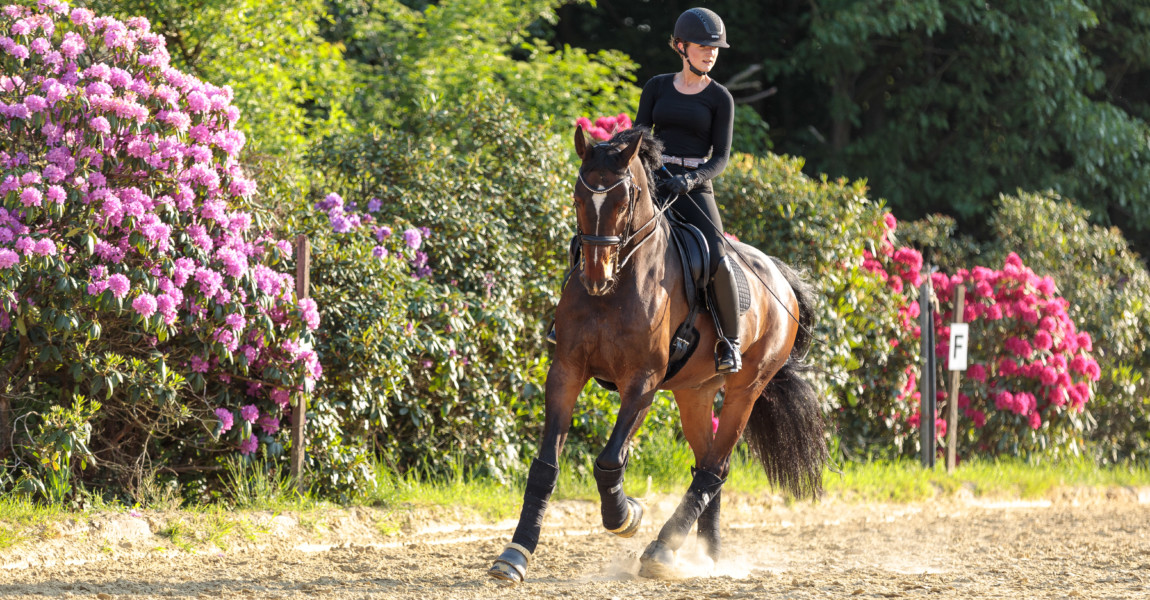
940, 106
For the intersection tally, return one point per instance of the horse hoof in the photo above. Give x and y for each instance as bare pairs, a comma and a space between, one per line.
634, 519
511, 565
658, 562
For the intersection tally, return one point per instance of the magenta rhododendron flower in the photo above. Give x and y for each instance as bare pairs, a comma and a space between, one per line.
1028, 364
226, 419
199, 365
249, 413
269, 424
8, 258
281, 397
145, 305
413, 238
249, 445
119, 285
310, 312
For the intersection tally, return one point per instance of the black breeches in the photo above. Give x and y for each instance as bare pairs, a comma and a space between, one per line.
699, 209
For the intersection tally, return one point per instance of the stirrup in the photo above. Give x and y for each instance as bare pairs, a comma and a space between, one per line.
727, 356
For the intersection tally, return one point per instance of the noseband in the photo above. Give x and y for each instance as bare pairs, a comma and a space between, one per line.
614, 240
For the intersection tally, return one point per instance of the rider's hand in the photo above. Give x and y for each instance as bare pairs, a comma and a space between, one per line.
682, 183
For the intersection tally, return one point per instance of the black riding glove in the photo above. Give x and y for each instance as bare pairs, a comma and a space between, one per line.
682, 183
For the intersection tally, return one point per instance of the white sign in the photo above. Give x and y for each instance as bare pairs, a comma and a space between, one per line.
959, 342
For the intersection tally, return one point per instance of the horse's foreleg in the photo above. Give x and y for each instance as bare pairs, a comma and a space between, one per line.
621, 515
562, 390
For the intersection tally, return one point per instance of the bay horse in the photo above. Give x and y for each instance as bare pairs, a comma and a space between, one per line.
617, 327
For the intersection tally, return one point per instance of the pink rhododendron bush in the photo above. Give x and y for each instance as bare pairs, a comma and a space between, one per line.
604, 127
133, 270
1031, 372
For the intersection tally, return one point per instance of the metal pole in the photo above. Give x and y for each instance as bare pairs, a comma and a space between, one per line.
952, 398
299, 410
927, 385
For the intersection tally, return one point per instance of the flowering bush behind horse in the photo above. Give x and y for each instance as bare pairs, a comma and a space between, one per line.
133, 266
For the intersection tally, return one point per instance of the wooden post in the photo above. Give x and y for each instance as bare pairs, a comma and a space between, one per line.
952, 398
299, 411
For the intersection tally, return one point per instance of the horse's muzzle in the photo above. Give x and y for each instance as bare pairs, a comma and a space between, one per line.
599, 287
599, 270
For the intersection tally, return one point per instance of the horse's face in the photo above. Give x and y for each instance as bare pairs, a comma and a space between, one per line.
605, 200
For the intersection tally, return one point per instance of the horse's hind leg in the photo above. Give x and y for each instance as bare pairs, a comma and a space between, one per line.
621, 515
563, 386
701, 502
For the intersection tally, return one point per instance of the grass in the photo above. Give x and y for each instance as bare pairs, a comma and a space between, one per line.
485, 497
664, 469
19, 518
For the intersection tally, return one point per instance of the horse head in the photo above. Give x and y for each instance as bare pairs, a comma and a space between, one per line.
611, 196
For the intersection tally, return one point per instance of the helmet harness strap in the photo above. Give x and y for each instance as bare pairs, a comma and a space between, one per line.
689, 64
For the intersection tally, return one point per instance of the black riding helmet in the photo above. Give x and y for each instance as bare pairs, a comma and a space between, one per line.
701, 26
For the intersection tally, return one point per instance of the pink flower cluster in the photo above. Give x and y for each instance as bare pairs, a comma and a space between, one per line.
604, 127
1027, 357
1043, 365
344, 218
143, 161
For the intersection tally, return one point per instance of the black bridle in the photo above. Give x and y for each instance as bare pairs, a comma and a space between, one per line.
619, 242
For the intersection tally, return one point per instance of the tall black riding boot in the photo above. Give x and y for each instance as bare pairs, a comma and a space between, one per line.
725, 300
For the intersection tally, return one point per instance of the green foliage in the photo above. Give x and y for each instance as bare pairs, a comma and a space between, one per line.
438, 55
437, 366
1106, 284
1109, 290
291, 85
949, 104
58, 436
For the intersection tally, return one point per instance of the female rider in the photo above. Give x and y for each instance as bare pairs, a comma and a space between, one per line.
693, 116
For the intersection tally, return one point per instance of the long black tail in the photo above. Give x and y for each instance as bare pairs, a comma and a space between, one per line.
786, 430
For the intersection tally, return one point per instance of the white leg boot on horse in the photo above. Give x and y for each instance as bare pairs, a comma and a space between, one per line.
563, 387
658, 560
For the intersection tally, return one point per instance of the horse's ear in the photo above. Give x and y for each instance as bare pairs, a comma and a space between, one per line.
580, 142
628, 154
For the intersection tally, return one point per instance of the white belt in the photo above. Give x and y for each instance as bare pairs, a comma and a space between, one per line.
690, 163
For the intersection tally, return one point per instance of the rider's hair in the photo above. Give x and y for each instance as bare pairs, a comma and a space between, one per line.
674, 43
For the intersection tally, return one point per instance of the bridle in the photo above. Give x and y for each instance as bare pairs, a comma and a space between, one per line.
619, 242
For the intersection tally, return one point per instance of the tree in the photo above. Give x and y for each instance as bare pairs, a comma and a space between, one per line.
413, 56
941, 106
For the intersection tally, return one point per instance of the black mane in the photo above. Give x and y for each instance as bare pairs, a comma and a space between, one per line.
650, 153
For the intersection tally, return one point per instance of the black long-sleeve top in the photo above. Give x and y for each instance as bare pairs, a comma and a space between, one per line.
690, 125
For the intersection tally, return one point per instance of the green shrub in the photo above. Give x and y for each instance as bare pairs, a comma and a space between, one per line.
1109, 292
135, 268
430, 356
1106, 285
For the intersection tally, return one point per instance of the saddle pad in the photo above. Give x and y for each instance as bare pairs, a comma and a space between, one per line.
744, 288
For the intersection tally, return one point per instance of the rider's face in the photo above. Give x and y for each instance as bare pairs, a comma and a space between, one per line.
703, 57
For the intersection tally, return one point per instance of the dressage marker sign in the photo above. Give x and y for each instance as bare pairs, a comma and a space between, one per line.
959, 341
